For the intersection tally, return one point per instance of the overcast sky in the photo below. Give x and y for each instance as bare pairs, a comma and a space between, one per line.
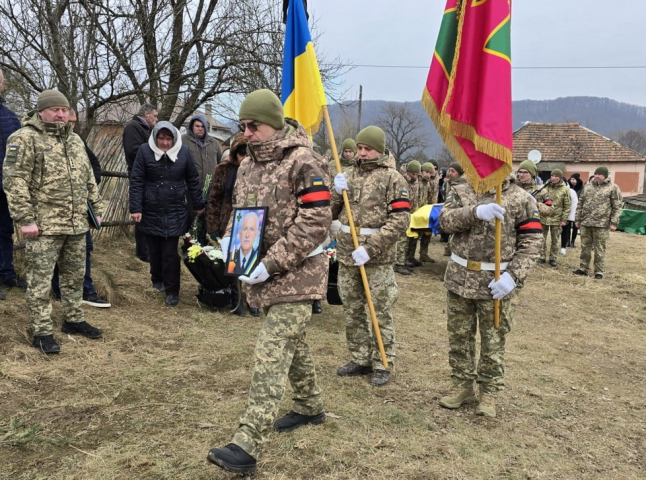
545, 33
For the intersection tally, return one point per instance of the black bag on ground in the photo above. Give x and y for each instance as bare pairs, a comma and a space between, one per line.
215, 289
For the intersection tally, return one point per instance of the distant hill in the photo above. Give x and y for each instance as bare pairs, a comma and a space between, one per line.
603, 115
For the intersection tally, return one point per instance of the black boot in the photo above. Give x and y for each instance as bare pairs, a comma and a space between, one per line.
232, 458
81, 328
293, 420
316, 307
46, 344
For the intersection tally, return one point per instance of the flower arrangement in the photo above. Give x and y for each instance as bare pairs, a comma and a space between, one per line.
194, 250
330, 251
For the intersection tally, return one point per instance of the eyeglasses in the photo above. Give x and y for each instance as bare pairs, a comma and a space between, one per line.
252, 126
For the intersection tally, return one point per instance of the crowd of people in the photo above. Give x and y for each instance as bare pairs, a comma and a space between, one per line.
177, 181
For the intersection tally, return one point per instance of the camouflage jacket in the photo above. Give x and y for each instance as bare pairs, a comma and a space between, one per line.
48, 178
433, 190
599, 205
543, 202
379, 198
422, 194
287, 176
413, 191
474, 239
346, 165
559, 195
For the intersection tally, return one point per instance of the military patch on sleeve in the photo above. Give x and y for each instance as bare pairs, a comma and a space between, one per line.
404, 194
401, 204
12, 153
448, 201
535, 214
316, 181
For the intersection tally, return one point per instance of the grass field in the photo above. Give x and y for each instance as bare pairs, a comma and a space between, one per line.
165, 385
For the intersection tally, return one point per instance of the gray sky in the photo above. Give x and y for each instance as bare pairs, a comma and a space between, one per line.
555, 33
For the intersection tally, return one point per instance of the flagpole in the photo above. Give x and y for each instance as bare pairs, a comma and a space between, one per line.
496, 303
355, 240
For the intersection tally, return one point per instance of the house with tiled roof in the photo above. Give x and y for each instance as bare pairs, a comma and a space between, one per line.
576, 149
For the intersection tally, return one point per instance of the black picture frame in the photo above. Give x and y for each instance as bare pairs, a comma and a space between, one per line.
248, 225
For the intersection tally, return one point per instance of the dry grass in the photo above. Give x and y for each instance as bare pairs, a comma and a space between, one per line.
164, 386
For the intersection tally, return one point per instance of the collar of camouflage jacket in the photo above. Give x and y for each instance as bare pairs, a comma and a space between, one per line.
292, 136
32, 119
383, 161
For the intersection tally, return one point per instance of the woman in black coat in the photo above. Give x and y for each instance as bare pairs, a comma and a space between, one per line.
162, 174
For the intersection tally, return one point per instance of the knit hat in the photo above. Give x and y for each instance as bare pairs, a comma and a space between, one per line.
51, 98
428, 167
263, 106
456, 166
557, 173
435, 163
529, 166
602, 171
349, 144
576, 175
374, 137
413, 167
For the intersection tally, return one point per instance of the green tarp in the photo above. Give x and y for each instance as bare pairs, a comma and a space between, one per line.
633, 221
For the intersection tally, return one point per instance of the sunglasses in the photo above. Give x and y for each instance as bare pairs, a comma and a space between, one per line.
252, 126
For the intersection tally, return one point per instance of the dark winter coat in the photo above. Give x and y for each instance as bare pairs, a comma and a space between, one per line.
205, 152
9, 123
135, 134
158, 187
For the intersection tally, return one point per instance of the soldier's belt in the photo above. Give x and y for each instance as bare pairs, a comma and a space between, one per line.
320, 248
360, 231
474, 266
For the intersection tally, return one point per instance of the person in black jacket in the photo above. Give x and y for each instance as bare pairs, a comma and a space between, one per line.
162, 172
135, 134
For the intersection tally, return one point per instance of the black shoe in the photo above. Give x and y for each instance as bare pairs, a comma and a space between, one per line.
240, 310
96, 301
254, 311
81, 328
402, 270
232, 458
540, 260
578, 271
553, 263
598, 276
316, 307
380, 378
159, 286
171, 300
15, 282
293, 420
352, 369
3, 296
46, 344
413, 263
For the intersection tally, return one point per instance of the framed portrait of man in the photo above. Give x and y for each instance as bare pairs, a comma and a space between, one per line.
246, 239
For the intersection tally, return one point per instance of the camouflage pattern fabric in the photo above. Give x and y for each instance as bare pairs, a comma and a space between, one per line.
433, 189
346, 165
594, 237
48, 178
424, 242
464, 316
554, 244
559, 194
287, 176
541, 197
406, 247
474, 239
599, 205
42, 253
281, 353
422, 195
358, 325
379, 198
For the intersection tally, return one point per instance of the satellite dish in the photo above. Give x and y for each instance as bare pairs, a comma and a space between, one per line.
534, 156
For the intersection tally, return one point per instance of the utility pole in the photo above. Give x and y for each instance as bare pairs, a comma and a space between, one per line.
359, 119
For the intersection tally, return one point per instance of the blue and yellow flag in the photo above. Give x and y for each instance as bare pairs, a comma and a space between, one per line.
302, 90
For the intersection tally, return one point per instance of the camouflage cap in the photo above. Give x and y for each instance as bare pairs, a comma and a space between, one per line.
602, 171
529, 166
263, 106
413, 167
374, 137
428, 167
349, 144
51, 98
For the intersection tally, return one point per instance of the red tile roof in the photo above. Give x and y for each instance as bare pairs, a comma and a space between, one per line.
569, 142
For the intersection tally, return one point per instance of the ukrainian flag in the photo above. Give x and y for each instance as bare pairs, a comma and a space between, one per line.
302, 90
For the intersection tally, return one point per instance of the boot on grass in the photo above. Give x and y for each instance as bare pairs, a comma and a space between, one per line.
458, 396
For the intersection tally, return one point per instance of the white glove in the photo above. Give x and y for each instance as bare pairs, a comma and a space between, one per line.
258, 275
335, 226
340, 183
360, 256
224, 245
502, 287
490, 211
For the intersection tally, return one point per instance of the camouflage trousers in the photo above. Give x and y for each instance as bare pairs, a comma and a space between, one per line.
405, 249
555, 236
465, 317
281, 353
596, 237
424, 242
358, 325
42, 255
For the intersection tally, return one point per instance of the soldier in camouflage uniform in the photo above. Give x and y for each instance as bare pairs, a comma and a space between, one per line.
348, 157
283, 173
526, 179
559, 194
426, 192
380, 205
406, 245
597, 213
469, 279
454, 176
48, 180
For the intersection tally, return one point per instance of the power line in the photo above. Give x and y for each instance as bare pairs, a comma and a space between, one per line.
590, 67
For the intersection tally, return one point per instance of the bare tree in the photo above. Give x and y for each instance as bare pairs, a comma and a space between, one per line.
404, 131
177, 54
635, 139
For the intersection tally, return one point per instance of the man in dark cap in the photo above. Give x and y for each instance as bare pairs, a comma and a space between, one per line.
52, 214
597, 213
